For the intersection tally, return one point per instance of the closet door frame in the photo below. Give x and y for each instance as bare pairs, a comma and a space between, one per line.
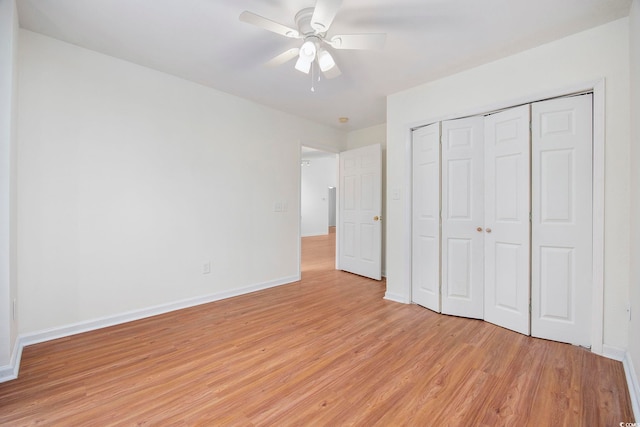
598, 89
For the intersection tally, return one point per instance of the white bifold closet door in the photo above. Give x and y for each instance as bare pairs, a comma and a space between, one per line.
506, 219
514, 190
463, 217
425, 252
562, 246
485, 218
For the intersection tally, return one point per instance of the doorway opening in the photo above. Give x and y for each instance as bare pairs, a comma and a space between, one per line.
358, 206
318, 182
318, 188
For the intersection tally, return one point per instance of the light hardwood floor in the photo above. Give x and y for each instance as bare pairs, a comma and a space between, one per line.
328, 350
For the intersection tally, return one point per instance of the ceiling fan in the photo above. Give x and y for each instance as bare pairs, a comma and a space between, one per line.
312, 26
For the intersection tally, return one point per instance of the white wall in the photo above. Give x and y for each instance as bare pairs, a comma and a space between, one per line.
634, 326
369, 136
131, 179
8, 115
317, 177
602, 52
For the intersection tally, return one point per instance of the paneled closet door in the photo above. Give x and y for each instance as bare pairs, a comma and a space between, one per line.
507, 231
562, 247
462, 217
425, 265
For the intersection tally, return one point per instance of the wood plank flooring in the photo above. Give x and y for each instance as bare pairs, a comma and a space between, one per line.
325, 351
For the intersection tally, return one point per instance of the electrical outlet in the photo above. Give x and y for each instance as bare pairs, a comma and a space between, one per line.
206, 268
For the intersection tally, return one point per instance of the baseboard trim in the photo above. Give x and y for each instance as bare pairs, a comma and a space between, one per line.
614, 353
395, 297
632, 384
10, 372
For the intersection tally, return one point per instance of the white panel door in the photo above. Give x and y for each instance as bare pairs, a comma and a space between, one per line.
507, 231
462, 217
561, 258
359, 228
425, 263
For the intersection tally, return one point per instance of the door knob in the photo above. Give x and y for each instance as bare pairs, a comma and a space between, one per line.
488, 230
479, 229
377, 218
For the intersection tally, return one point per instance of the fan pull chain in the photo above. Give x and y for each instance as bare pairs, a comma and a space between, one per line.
313, 70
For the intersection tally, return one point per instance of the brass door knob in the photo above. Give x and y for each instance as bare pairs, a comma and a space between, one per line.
479, 229
377, 218
488, 230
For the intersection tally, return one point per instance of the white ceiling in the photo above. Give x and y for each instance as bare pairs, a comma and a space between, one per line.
203, 41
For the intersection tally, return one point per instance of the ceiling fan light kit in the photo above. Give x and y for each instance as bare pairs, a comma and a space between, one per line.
325, 60
308, 49
313, 24
303, 65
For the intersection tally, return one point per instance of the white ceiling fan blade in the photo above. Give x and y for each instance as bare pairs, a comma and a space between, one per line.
323, 14
332, 73
283, 57
358, 41
267, 24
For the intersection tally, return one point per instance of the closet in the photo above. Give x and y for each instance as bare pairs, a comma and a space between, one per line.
501, 220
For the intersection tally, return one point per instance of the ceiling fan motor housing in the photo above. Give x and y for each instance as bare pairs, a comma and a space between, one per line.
303, 21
